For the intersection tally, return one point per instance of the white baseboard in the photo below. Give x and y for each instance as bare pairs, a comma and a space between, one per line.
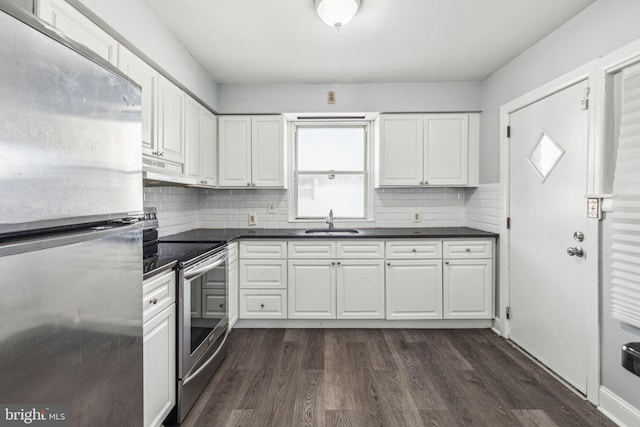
617, 409
372, 323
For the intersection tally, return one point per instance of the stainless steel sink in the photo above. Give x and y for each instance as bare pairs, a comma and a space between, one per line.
331, 231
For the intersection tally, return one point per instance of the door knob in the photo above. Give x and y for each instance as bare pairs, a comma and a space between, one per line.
575, 251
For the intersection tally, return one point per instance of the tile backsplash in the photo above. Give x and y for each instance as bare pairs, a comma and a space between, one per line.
180, 209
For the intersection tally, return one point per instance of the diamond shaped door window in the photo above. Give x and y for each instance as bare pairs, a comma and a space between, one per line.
545, 155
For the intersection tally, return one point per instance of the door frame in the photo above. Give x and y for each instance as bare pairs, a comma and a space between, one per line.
592, 261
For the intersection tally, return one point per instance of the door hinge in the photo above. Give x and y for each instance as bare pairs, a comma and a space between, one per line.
584, 103
508, 313
508, 223
508, 131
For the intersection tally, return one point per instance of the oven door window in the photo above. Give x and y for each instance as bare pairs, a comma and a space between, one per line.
208, 304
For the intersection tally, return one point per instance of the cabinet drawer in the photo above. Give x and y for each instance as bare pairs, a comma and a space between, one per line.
468, 249
263, 249
359, 249
233, 252
265, 273
315, 250
414, 249
263, 304
157, 294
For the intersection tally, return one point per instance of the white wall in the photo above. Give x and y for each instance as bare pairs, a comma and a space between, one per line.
137, 24
369, 97
601, 28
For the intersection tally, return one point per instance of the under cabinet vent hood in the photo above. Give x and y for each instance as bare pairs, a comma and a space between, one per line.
157, 173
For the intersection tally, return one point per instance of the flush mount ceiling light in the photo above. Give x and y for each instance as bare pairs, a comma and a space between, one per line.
336, 13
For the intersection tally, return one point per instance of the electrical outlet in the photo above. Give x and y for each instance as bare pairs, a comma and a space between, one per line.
272, 209
416, 217
331, 97
252, 219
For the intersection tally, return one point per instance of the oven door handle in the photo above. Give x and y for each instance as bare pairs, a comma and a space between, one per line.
192, 375
203, 268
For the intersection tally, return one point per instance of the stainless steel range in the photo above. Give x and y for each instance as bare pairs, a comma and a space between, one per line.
203, 316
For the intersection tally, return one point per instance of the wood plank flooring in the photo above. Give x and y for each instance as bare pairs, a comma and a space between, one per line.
383, 377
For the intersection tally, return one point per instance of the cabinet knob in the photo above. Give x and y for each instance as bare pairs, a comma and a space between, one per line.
414, 250
421, 182
468, 249
339, 263
253, 184
446, 262
426, 182
153, 301
161, 154
388, 263
333, 263
248, 184
261, 305
221, 305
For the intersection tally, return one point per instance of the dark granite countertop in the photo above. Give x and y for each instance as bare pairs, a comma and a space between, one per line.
231, 234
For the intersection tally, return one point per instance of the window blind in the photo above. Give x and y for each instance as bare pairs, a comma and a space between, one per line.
625, 301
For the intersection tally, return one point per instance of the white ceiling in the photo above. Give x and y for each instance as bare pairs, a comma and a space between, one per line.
284, 41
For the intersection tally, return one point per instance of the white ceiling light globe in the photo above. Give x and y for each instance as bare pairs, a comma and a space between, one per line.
336, 13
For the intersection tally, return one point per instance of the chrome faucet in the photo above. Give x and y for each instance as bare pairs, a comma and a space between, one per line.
330, 219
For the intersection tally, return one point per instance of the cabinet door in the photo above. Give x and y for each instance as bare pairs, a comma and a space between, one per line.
400, 150
414, 289
360, 289
446, 158
234, 147
79, 28
170, 120
232, 274
208, 161
468, 289
312, 289
147, 77
267, 151
192, 138
159, 366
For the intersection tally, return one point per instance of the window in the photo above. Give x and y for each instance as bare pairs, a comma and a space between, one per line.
331, 171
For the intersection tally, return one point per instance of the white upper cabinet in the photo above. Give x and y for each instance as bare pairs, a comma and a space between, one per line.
192, 138
208, 161
446, 146
147, 77
200, 143
78, 27
170, 121
234, 139
400, 149
251, 151
427, 149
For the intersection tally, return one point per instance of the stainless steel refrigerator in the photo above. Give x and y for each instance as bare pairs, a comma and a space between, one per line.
70, 239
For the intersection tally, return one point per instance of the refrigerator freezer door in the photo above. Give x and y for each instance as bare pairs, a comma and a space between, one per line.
71, 324
70, 133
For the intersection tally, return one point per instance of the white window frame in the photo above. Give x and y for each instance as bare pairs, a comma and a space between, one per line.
368, 148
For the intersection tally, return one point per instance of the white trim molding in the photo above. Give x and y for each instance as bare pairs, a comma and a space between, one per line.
617, 409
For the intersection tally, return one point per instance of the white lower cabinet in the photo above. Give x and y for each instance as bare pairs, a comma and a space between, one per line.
360, 289
262, 279
414, 289
232, 274
468, 279
159, 348
312, 289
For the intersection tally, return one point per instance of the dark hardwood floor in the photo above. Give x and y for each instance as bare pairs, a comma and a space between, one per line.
388, 377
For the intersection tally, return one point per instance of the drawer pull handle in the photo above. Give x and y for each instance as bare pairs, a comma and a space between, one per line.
153, 301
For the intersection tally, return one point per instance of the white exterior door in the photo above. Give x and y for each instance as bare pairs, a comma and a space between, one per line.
548, 181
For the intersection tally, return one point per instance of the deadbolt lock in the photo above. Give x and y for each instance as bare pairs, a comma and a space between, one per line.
578, 236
